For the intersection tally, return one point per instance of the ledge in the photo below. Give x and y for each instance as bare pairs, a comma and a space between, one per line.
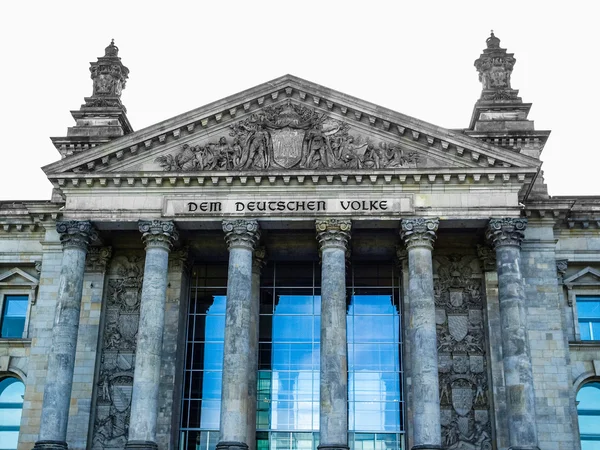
585, 344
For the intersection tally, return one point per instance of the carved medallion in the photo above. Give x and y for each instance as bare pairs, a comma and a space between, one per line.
287, 146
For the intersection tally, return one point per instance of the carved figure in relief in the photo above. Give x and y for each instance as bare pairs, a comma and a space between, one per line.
288, 136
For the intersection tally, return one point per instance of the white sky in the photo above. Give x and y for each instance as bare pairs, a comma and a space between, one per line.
412, 57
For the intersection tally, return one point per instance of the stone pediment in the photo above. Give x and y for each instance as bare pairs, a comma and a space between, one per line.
585, 277
291, 125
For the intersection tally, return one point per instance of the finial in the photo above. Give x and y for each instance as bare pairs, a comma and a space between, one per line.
492, 41
112, 49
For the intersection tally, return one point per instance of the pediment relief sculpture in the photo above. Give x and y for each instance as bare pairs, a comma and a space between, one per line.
289, 136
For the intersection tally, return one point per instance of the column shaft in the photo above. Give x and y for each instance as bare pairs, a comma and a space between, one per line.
242, 236
75, 238
257, 264
333, 236
506, 236
419, 235
158, 237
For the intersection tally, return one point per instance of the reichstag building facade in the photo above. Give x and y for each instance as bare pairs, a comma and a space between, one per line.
293, 268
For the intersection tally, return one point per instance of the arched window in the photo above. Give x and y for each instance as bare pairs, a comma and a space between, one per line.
11, 407
588, 412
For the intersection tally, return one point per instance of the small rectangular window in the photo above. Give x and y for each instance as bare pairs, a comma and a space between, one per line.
588, 312
13, 316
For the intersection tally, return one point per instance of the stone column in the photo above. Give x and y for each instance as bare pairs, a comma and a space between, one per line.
419, 235
75, 237
506, 235
257, 265
158, 236
242, 236
333, 236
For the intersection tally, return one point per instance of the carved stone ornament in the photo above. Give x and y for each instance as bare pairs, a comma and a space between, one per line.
462, 359
97, 258
289, 136
419, 232
561, 266
76, 234
333, 233
178, 259
487, 256
158, 233
259, 260
109, 76
114, 383
495, 67
241, 233
506, 231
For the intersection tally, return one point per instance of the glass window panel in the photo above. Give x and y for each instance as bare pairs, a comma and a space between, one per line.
280, 441
590, 445
372, 304
302, 441
294, 304
293, 357
589, 425
584, 331
374, 329
588, 309
9, 439
213, 356
595, 330
292, 328
373, 357
215, 328
16, 305
588, 397
209, 417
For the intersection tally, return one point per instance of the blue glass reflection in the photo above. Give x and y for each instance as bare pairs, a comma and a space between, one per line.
373, 364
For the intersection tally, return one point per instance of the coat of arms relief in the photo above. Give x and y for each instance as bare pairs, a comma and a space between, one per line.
289, 136
462, 359
115, 380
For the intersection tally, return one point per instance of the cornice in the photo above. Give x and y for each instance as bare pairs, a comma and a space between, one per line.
28, 216
452, 143
428, 176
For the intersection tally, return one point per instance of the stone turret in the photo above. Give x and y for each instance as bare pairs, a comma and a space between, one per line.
102, 117
500, 116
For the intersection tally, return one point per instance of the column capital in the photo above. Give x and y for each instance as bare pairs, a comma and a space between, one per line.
487, 257
241, 233
158, 233
333, 233
419, 232
258, 262
76, 233
506, 231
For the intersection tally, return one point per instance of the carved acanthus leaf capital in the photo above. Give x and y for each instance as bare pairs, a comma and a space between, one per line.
97, 258
76, 234
333, 233
242, 233
419, 232
506, 231
158, 233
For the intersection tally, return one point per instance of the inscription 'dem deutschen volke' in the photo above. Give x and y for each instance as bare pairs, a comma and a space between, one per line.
283, 206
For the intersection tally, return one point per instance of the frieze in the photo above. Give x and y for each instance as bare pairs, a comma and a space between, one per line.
289, 136
462, 356
114, 385
286, 205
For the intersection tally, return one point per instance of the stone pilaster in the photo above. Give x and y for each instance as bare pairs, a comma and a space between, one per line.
242, 236
333, 236
258, 263
419, 235
75, 237
506, 236
158, 237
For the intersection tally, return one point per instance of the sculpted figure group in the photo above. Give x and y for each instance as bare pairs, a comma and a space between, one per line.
288, 136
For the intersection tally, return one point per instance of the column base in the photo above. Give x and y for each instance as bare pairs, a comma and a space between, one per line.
427, 447
141, 445
231, 445
50, 445
333, 447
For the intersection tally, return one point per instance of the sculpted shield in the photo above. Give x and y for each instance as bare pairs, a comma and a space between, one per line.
287, 146
462, 400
